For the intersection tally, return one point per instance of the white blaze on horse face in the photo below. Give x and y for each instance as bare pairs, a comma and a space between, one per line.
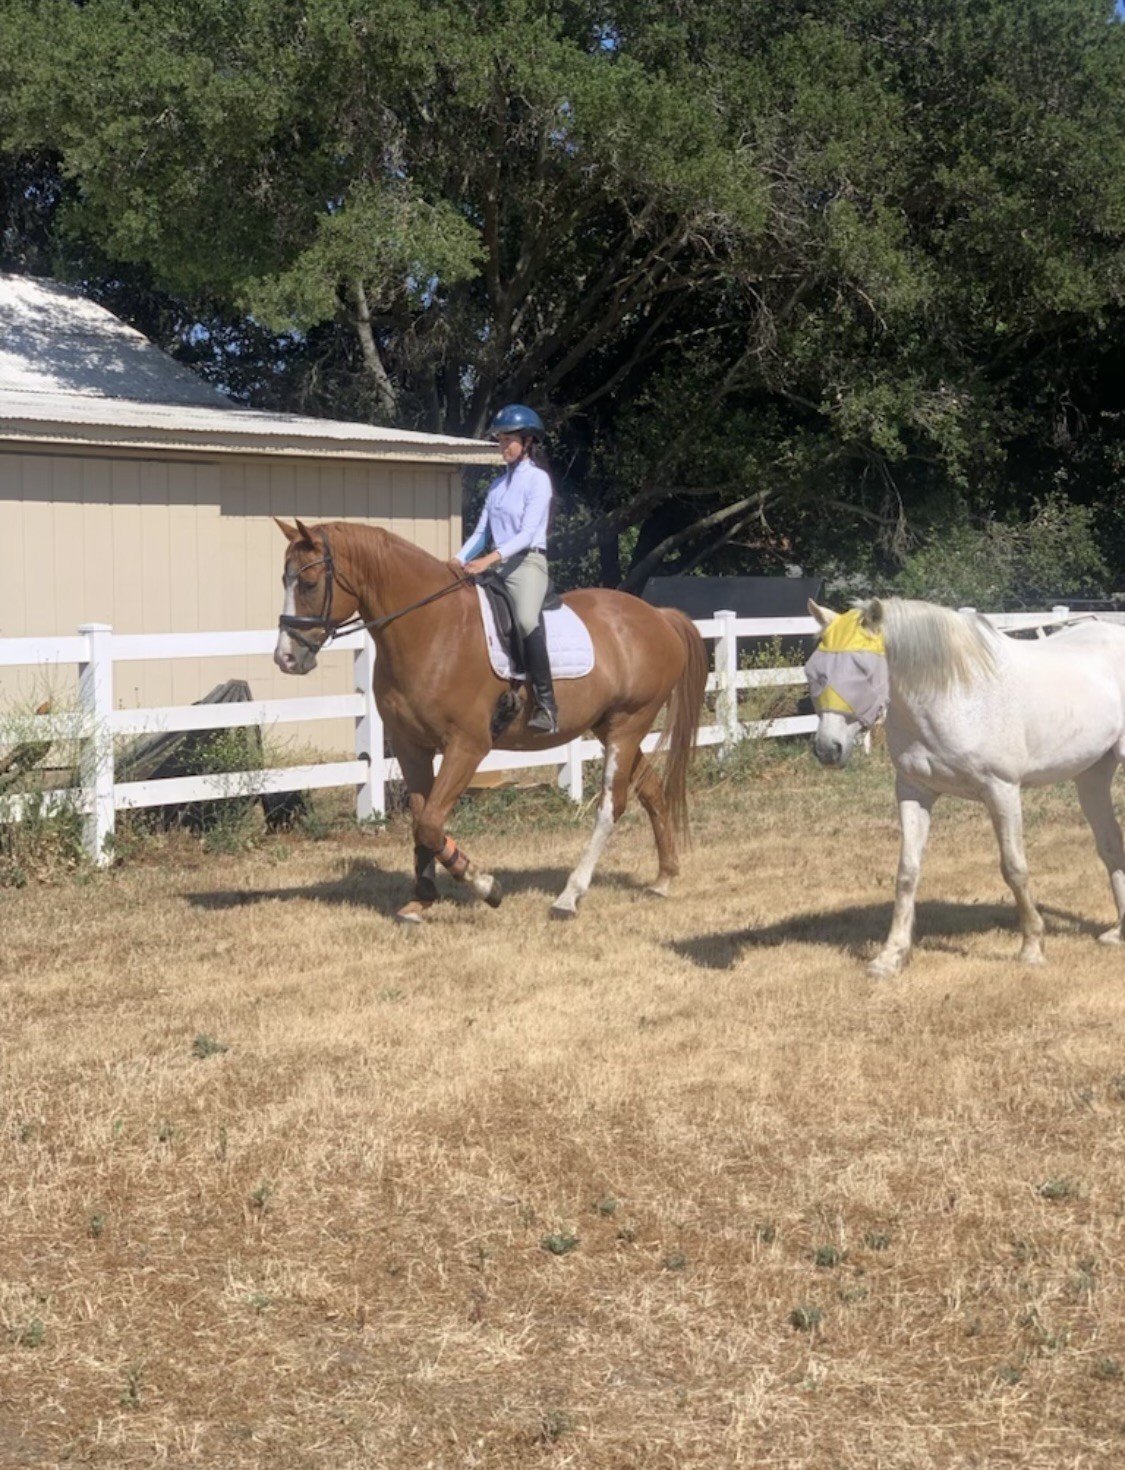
291, 657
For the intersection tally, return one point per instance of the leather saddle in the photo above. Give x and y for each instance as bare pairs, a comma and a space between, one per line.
507, 629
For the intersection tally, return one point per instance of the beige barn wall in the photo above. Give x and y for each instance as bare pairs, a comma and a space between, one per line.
176, 545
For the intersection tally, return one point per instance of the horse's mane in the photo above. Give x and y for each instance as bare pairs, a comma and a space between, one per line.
376, 544
931, 648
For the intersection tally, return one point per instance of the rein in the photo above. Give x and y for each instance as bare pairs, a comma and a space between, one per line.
294, 624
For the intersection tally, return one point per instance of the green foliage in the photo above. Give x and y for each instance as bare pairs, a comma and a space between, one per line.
806, 1318
559, 1243
206, 1046
814, 283
43, 844
827, 1256
1002, 564
1060, 1188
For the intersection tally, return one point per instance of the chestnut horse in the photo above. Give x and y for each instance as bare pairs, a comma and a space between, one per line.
436, 691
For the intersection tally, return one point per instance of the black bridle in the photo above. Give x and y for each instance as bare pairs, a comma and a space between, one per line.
295, 625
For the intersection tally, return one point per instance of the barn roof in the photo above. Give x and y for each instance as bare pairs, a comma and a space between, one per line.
72, 373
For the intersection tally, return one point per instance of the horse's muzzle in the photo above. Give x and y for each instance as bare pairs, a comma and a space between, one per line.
831, 750
294, 658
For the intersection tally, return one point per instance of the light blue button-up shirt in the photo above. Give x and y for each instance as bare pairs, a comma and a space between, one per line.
515, 512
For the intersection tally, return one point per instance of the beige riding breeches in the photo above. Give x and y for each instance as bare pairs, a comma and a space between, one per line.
525, 576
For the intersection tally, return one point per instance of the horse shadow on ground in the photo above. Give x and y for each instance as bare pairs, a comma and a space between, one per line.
364, 885
860, 930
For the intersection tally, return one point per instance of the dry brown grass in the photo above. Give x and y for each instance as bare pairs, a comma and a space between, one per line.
671, 1186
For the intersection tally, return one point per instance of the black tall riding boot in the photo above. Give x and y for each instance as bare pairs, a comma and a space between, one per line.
538, 665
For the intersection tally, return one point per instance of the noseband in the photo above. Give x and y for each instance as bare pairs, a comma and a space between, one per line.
296, 625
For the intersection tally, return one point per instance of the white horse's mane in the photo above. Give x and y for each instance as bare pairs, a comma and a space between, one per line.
932, 649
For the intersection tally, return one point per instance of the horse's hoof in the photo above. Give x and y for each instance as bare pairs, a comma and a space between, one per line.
1111, 936
561, 912
884, 969
411, 913
656, 890
494, 895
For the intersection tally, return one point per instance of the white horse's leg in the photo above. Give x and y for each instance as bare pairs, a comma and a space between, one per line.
1005, 809
566, 905
1094, 789
914, 808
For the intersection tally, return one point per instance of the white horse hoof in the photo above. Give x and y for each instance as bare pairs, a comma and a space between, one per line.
881, 969
489, 890
1032, 957
1111, 936
657, 890
562, 911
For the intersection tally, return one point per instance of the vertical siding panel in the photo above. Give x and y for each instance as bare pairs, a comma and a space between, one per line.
309, 495
332, 492
163, 490
20, 574
265, 546
184, 513
66, 522
127, 546
449, 512
228, 596
425, 512
161, 565
286, 482
98, 579
41, 615
402, 511
355, 502
379, 508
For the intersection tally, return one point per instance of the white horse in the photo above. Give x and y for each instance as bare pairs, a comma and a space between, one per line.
971, 712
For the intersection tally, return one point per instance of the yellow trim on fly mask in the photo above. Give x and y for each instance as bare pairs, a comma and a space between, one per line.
828, 699
846, 634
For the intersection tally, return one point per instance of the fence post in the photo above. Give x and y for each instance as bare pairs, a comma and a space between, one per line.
570, 773
726, 673
371, 796
95, 700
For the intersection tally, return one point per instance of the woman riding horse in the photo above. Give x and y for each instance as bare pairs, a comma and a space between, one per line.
515, 517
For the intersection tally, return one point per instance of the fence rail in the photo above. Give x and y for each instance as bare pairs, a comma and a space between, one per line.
96, 651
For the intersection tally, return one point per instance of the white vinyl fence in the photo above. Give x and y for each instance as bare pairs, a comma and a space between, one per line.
97, 722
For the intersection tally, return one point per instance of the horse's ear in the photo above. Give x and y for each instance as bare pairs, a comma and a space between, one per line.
291, 532
823, 615
306, 534
872, 614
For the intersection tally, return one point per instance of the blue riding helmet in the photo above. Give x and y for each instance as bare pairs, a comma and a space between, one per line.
515, 418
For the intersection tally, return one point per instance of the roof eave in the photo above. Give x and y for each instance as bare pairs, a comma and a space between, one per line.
41, 431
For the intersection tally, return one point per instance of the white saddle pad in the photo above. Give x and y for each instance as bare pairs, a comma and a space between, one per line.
569, 644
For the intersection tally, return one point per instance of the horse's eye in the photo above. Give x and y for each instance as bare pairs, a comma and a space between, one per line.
306, 587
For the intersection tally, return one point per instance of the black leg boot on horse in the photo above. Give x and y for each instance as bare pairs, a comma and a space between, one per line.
537, 663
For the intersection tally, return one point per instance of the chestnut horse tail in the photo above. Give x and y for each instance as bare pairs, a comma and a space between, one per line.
681, 725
